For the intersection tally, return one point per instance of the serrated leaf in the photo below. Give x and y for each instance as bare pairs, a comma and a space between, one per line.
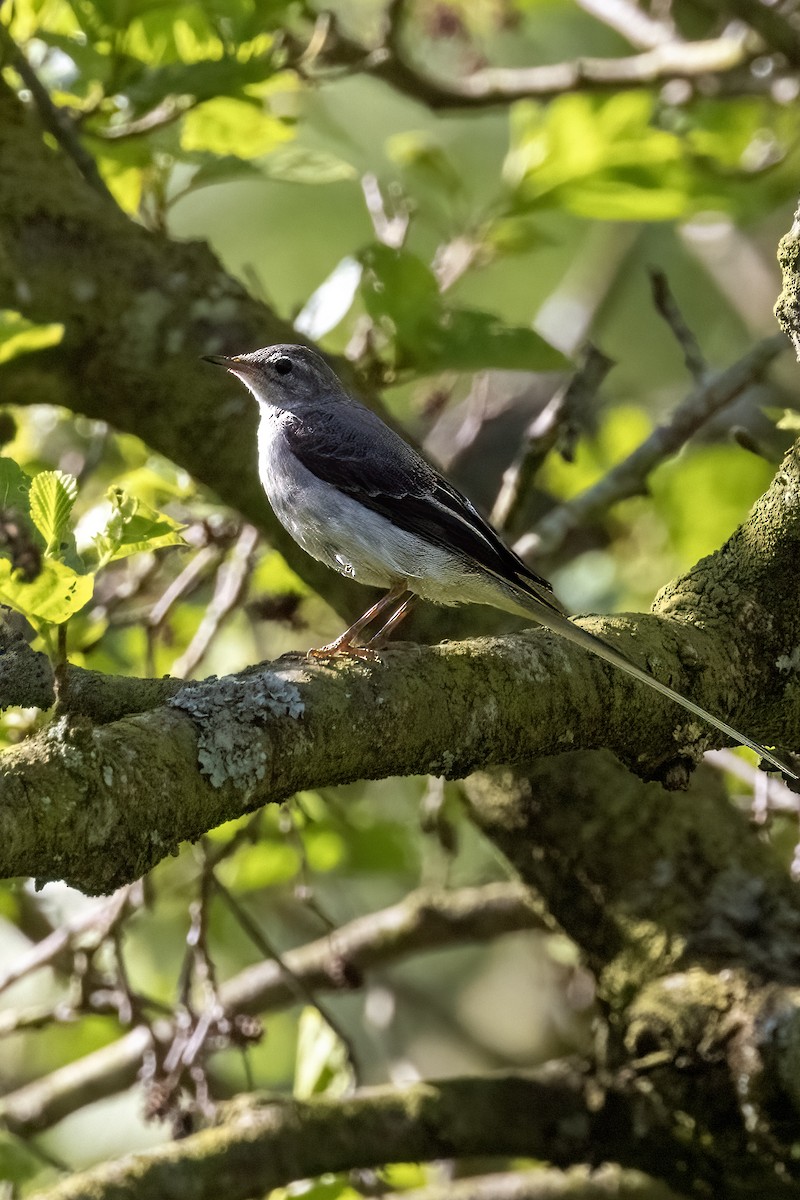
134, 526
52, 495
52, 597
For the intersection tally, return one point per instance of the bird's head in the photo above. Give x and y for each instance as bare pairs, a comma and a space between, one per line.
283, 377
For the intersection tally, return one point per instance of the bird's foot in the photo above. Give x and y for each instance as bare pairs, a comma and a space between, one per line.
344, 649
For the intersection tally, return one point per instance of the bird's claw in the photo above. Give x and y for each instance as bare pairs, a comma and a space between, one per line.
344, 650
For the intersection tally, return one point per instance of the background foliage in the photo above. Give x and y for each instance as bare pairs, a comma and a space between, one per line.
460, 253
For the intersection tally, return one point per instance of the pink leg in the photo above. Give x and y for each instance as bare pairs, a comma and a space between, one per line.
397, 616
346, 642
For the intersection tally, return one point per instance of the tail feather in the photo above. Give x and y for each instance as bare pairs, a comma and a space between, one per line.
544, 610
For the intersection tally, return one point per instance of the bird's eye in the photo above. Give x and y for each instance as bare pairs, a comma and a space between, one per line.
283, 366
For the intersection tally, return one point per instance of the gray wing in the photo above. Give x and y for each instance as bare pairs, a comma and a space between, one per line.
351, 448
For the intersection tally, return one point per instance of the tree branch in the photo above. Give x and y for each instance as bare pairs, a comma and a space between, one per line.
231, 745
423, 921
493, 86
555, 1113
629, 477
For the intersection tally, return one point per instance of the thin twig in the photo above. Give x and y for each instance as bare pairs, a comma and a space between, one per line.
423, 921
629, 478
667, 307
301, 990
389, 229
232, 579
558, 421
98, 923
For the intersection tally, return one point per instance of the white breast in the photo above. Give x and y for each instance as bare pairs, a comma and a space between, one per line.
347, 536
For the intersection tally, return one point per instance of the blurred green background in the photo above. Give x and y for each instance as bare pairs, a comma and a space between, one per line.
538, 217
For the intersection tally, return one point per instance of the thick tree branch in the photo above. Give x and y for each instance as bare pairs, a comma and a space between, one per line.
228, 746
557, 1114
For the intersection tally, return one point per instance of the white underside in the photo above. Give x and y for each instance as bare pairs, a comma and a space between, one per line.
347, 536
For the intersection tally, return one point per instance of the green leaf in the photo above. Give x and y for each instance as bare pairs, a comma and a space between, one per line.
294, 164
52, 495
17, 335
399, 289
398, 286
226, 125
134, 526
323, 1065
14, 486
467, 340
18, 1163
52, 597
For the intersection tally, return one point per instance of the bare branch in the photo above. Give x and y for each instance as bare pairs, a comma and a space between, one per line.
233, 577
639, 27
629, 478
558, 422
555, 1113
423, 921
498, 85
667, 307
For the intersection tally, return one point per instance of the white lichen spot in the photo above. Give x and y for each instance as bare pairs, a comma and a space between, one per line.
789, 662
108, 775
228, 713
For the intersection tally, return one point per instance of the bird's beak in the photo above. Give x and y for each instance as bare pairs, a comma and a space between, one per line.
219, 360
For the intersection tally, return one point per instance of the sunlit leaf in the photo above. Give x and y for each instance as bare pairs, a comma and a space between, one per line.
133, 526
229, 126
53, 596
323, 1065
52, 495
294, 164
18, 335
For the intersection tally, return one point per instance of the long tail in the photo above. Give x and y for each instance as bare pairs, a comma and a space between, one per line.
561, 624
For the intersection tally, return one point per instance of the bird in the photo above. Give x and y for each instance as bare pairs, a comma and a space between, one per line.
357, 497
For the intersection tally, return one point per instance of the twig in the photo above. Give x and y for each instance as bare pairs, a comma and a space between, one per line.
99, 922
298, 986
500, 86
558, 420
629, 478
425, 920
232, 580
170, 109
391, 230
777, 28
56, 120
666, 307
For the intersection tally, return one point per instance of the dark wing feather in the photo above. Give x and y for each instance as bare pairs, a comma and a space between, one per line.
352, 449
